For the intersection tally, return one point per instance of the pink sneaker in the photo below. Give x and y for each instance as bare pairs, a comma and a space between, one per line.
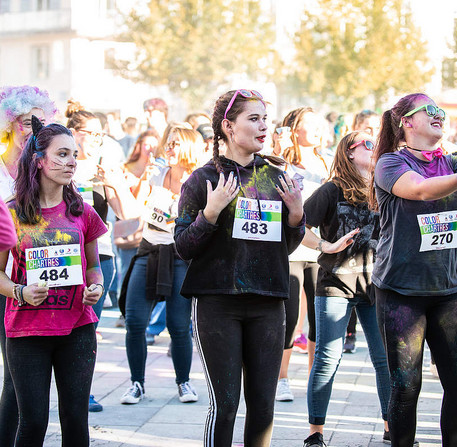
301, 344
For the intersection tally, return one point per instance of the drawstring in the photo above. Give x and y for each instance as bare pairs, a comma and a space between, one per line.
243, 190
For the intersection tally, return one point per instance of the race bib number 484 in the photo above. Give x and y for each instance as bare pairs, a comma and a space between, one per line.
58, 265
258, 225
438, 231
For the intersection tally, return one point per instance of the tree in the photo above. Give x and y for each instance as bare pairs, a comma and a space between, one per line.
195, 45
348, 51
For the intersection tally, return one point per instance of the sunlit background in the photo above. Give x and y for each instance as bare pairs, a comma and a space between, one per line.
335, 55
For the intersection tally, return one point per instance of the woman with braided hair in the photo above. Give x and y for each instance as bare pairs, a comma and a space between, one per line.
56, 279
238, 219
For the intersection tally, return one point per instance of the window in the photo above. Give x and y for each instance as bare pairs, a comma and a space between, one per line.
4, 6
40, 62
26, 5
45, 5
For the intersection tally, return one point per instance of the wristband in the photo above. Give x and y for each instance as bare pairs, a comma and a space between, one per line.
319, 245
103, 288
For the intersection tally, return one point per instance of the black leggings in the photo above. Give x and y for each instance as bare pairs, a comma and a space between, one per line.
8, 405
405, 323
235, 334
31, 360
303, 274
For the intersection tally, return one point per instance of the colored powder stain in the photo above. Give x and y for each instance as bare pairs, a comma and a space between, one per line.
63, 237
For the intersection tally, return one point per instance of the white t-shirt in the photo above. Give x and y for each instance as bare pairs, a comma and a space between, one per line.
161, 211
85, 171
308, 180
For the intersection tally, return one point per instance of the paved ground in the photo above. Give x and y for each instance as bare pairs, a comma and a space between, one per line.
162, 421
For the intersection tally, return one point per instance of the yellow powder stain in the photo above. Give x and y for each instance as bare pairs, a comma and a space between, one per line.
62, 237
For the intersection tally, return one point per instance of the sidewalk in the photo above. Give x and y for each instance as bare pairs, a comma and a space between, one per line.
161, 420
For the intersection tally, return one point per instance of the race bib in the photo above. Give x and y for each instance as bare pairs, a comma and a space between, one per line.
58, 265
438, 231
160, 209
248, 224
87, 193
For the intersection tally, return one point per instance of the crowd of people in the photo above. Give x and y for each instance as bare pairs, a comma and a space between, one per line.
230, 237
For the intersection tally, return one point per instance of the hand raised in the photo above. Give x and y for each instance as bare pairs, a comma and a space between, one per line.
291, 195
342, 243
220, 197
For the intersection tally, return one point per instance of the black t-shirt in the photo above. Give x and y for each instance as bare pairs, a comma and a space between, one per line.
348, 273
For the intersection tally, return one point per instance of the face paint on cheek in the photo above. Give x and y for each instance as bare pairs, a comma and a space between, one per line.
58, 164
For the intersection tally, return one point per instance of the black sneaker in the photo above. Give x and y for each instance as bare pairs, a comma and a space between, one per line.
315, 440
349, 344
386, 439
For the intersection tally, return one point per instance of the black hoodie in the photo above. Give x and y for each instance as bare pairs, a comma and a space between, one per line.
221, 264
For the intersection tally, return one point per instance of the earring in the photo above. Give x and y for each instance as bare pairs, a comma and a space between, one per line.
231, 137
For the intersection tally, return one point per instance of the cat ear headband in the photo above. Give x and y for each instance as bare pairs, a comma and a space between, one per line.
37, 125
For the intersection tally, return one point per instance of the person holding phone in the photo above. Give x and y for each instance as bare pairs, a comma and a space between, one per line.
100, 187
281, 139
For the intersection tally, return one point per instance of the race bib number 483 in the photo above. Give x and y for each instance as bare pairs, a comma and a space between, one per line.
58, 265
258, 225
438, 231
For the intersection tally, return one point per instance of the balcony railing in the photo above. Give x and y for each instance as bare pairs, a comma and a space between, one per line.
35, 22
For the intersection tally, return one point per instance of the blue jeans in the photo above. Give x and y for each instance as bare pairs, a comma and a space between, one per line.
107, 266
138, 309
332, 316
158, 320
125, 255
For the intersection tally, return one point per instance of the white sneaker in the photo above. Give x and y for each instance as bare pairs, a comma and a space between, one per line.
133, 395
187, 393
283, 392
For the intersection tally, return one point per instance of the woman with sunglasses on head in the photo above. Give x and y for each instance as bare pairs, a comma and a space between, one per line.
101, 188
349, 231
17, 104
56, 280
308, 168
415, 272
239, 218
156, 271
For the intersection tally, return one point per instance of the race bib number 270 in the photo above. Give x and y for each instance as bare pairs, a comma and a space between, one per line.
58, 265
438, 231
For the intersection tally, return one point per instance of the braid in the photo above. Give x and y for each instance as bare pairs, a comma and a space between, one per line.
273, 159
216, 156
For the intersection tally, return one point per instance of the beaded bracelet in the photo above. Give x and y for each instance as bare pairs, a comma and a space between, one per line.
18, 294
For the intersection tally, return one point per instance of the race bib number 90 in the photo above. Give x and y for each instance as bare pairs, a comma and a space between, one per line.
257, 225
58, 265
438, 231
